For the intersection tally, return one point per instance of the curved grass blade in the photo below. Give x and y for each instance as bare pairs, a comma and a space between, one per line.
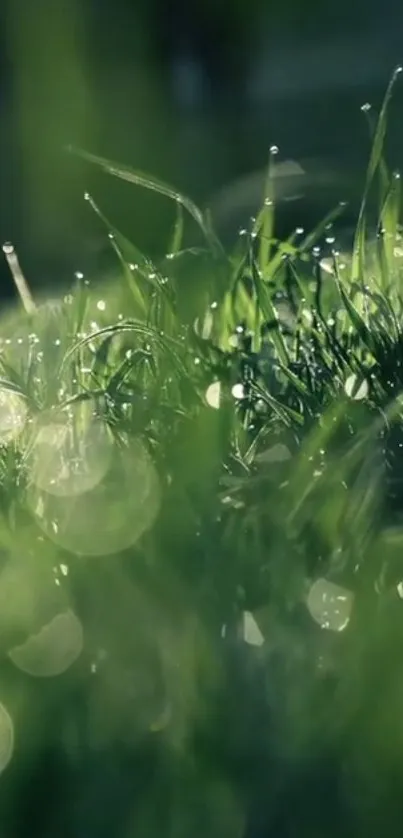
116, 239
144, 331
146, 181
375, 163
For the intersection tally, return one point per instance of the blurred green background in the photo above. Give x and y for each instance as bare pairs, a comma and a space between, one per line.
194, 93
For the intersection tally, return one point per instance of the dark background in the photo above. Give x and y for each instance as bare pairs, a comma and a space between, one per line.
194, 93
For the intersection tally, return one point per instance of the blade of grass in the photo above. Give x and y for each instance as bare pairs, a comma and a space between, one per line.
146, 181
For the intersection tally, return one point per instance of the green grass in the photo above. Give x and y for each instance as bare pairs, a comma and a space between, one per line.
242, 415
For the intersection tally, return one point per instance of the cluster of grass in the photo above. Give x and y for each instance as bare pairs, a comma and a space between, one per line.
245, 413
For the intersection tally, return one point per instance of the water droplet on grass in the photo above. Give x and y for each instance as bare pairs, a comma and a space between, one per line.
101, 305
274, 149
366, 107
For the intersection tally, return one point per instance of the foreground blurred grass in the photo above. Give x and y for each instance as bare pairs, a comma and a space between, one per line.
195, 454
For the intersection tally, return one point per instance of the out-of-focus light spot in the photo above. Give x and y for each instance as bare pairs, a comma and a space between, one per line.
6, 737
13, 415
204, 326
307, 316
52, 650
71, 455
276, 454
162, 721
234, 341
213, 395
101, 305
251, 631
330, 605
238, 391
356, 388
110, 517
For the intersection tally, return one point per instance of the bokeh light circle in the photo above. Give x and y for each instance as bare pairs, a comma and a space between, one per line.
330, 605
110, 517
53, 649
6, 738
71, 452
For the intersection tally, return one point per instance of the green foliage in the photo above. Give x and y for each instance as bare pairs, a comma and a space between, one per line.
244, 414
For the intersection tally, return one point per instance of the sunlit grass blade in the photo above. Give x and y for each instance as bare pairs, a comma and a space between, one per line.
137, 328
376, 163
